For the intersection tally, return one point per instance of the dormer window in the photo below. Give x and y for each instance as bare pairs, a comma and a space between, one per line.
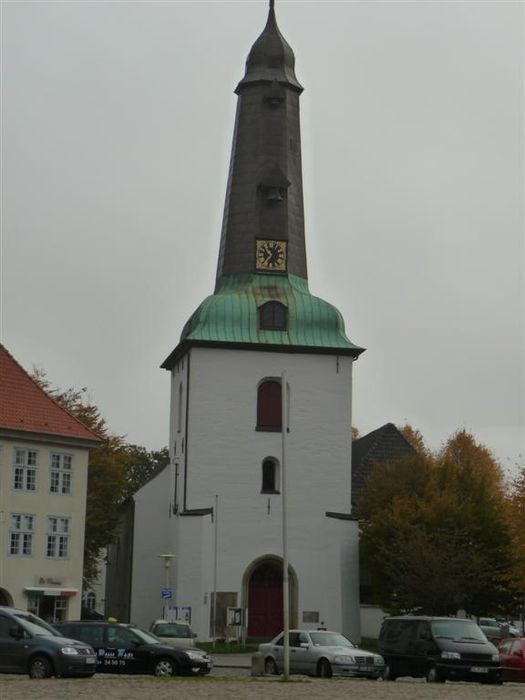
273, 316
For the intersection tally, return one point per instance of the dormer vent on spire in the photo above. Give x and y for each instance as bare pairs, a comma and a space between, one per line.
273, 184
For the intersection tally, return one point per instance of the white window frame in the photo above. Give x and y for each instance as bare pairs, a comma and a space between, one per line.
25, 470
58, 538
21, 534
61, 473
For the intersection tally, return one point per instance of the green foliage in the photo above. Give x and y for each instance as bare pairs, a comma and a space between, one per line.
435, 533
222, 647
517, 524
144, 465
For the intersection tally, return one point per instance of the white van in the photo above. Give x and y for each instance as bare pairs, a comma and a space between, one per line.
177, 633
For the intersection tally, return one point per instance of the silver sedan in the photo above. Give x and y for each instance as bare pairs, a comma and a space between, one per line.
321, 653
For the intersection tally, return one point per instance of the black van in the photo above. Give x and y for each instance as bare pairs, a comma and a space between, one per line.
438, 649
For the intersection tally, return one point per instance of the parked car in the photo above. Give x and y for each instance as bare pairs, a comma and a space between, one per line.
177, 633
438, 649
512, 654
493, 629
125, 648
29, 645
321, 653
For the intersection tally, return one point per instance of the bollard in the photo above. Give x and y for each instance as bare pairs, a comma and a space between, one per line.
257, 664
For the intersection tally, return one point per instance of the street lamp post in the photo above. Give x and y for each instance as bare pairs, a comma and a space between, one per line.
167, 563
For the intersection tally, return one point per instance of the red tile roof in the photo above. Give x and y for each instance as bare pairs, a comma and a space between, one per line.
24, 406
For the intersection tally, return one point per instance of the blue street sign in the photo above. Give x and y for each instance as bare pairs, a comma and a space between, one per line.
165, 593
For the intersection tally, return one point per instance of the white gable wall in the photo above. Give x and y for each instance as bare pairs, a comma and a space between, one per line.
152, 537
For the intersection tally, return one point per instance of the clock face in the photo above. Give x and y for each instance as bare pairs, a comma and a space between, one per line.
270, 255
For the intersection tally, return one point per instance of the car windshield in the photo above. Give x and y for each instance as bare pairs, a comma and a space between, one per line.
171, 629
35, 626
457, 629
145, 637
330, 639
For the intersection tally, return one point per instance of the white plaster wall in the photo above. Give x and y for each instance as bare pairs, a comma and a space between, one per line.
18, 572
152, 537
224, 456
372, 617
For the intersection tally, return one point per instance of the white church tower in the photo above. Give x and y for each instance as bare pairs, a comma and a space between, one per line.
226, 422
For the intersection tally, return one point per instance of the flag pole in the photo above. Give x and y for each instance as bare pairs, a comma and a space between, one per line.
286, 615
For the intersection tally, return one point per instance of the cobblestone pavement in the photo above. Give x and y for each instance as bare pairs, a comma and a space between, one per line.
243, 687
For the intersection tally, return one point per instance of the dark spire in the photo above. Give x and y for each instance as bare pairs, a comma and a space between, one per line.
271, 57
264, 199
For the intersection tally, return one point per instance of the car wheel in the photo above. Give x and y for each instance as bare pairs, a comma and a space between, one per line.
270, 667
40, 667
388, 675
434, 676
324, 670
165, 667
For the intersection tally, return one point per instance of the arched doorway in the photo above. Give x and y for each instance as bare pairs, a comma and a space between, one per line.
5, 598
264, 595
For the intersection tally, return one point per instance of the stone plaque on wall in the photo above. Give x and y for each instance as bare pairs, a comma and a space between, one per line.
310, 615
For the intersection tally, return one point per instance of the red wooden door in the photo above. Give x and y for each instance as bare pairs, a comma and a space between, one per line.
265, 602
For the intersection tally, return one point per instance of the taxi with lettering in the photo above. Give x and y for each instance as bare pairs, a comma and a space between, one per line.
125, 648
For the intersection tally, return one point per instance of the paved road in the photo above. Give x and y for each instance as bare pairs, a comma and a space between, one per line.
246, 688
231, 680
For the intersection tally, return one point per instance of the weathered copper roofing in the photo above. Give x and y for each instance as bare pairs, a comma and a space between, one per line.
270, 58
26, 408
231, 316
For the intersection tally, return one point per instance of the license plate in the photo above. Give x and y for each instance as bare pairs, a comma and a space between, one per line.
479, 669
90, 660
365, 668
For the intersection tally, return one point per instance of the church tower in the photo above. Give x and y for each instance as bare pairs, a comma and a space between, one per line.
226, 374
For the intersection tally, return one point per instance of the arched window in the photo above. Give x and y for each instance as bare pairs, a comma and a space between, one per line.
269, 405
270, 476
273, 316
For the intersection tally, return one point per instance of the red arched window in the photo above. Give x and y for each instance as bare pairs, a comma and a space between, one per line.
269, 406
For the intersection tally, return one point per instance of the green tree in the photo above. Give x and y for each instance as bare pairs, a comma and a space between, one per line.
144, 465
516, 522
435, 535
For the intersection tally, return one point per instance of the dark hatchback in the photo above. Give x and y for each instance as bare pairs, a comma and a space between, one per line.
126, 648
29, 645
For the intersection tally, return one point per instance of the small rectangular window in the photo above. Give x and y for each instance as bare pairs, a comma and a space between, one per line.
60, 474
25, 470
21, 534
58, 535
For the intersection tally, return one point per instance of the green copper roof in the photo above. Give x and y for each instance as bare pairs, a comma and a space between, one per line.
231, 315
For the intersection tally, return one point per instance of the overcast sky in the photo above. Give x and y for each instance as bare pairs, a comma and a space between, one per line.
117, 120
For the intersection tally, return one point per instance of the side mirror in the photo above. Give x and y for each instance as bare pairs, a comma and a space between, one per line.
16, 632
518, 652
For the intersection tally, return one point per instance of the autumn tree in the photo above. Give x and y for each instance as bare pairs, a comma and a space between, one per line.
517, 525
415, 438
435, 536
144, 465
